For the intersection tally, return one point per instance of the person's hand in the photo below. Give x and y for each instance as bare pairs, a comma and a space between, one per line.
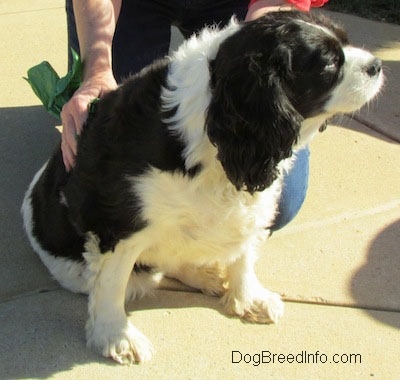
260, 7
75, 113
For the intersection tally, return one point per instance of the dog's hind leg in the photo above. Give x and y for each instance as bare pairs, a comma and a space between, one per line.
141, 283
108, 329
189, 278
209, 279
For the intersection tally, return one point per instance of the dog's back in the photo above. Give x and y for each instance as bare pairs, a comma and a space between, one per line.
123, 139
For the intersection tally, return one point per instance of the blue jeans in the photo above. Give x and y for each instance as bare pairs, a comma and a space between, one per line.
143, 34
144, 27
295, 185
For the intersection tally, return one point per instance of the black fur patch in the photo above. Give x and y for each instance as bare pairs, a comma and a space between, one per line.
123, 139
266, 79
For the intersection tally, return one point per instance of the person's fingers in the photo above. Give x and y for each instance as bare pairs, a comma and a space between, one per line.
75, 112
80, 114
70, 132
67, 152
68, 156
73, 116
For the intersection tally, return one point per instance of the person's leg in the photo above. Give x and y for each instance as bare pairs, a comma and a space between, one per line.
201, 13
142, 34
71, 31
295, 185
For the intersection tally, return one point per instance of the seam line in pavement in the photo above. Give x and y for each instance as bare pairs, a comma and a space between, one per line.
321, 302
30, 11
344, 217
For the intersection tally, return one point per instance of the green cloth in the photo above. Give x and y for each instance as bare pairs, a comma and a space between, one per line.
52, 90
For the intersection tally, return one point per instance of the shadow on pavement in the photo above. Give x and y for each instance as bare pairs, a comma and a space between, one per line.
377, 281
27, 137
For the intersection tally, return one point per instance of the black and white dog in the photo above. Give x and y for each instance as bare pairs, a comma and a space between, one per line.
179, 171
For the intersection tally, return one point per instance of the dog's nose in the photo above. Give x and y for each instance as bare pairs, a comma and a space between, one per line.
374, 67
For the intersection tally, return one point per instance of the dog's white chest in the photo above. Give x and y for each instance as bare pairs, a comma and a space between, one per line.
191, 222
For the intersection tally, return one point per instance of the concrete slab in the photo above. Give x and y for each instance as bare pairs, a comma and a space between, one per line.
343, 246
22, 6
383, 40
353, 262
193, 339
352, 168
32, 32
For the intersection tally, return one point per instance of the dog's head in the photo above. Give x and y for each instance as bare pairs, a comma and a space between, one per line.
271, 77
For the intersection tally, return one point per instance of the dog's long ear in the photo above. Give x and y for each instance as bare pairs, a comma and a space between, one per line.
250, 119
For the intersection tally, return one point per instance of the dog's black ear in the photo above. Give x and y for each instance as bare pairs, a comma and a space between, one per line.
250, 119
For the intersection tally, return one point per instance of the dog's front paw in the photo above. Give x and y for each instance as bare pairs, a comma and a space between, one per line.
263, 306
122, 342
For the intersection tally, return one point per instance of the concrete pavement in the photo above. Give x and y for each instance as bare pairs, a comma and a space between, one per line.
337, 265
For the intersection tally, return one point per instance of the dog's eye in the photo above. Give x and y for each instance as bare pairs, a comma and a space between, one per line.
333, 64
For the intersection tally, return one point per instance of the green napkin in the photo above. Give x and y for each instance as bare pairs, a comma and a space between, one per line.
52, 90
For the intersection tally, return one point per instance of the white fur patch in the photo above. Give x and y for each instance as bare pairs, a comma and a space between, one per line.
189, 90
357, 87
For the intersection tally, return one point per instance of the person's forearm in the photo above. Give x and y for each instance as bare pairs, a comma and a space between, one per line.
271, 3
303, 5
260, 7
95, 24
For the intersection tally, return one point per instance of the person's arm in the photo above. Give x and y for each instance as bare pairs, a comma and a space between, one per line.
95, 24
258, 7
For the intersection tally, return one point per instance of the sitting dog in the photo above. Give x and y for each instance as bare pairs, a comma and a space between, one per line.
179, 170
